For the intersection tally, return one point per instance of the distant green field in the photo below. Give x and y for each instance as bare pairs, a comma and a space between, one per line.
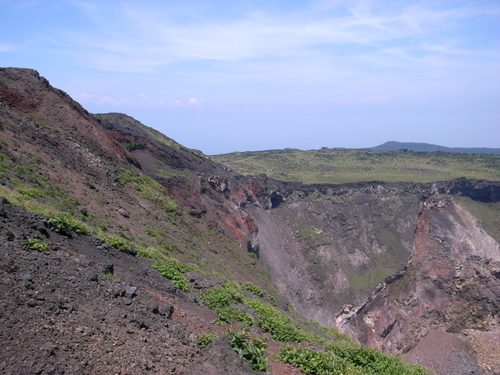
343, 166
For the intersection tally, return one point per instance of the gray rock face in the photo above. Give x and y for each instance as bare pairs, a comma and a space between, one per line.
331, 250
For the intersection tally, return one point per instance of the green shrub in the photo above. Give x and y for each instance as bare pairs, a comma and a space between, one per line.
222, 296
250, 348
134, 145
38, 245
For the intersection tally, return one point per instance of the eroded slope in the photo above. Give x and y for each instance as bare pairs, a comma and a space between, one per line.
443, 310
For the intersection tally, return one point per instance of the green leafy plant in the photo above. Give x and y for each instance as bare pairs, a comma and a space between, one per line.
205, 340
222, 296
38, 245
65, 223
174, 270
373, 361
312, 362
343, 358
250, 348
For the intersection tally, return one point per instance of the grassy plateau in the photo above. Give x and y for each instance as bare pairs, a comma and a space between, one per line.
344, 166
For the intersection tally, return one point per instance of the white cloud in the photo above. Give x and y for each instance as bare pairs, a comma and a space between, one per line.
154, 38
116, 102
193, 102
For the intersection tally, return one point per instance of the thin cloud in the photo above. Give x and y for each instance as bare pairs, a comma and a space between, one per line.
193, 102
150, 40
116, 102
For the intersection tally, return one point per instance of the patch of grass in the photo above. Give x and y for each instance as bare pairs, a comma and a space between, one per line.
174, 270
150, 190
279, 325
134, 145
488, 215
38, 245
120, 244
344, 166
254, 289
15, 197
65, 223
312, 236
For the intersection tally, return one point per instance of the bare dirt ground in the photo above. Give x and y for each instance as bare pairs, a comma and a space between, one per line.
86, 308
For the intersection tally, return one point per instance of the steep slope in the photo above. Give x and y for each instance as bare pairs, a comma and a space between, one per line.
57, 158
326, 246
442, 310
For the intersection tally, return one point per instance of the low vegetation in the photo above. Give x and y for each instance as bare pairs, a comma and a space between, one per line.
253, 349
174, 270
38, 245
66, 223
344, 166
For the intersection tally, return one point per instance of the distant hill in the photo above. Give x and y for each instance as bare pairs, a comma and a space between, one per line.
426, 147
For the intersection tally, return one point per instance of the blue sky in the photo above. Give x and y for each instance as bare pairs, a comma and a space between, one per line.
223, 76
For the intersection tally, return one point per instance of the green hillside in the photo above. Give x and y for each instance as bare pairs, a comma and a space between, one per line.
344, 166
427, 147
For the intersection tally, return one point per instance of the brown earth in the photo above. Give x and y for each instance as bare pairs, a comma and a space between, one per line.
87, 308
